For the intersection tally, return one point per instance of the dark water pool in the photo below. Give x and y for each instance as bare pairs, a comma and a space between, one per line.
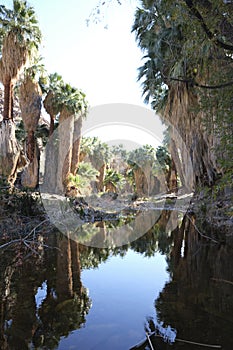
171, 283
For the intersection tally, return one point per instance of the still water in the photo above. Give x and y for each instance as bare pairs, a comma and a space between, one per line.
169, 289
123, 291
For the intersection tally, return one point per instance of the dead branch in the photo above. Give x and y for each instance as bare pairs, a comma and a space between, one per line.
200, 233
149, 341
221, 280
33, 231
10, 242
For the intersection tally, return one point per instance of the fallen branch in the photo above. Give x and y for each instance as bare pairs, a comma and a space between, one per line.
200, 344
25, 241
41, 245
34, 228
149, 341
221, 280
29, 247
200, 233
193, 343
9, 243
142, 345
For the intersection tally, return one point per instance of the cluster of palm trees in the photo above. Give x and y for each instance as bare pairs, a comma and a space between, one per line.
144, 170
187, 65
20, 67
23, 73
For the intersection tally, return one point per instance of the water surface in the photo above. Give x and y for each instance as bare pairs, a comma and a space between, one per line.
171, 282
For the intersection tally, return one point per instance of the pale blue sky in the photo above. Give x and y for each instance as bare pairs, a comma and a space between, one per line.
102, 62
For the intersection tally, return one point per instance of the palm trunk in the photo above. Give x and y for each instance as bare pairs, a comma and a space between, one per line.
51, 166
173, 178
141, 182
8, 98
76, 145
64, 285
177, 161
65, 132
9, 150
76, 266
191, 137
51, 127
24, 319
102, 173
30, 175
30, 104
30, 145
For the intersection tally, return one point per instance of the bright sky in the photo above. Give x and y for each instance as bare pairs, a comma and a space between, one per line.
101, 62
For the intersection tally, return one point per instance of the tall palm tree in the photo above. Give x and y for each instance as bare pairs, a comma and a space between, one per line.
51, 102
183, 56
30, 97
53, 106
20, 37
69, 105
74, 107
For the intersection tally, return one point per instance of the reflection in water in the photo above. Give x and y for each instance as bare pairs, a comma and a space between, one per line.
198, 301
63, 308
195, 308
43, 299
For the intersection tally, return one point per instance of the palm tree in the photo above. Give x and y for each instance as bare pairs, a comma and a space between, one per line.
69, 105
99, 154
87, 147
52, 101
99, 158
142, 161
52, 105
182, 56
30, 97
113, 181
74, 108
20, 37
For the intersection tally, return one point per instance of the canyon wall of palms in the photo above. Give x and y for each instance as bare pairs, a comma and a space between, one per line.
185, 76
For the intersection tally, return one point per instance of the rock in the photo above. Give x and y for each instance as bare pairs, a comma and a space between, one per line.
134, 197
109, 195
80, 201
